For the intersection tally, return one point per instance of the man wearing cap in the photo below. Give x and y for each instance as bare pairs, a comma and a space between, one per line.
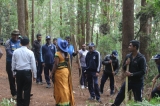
37, 53
23, 62
11, 45
136, 72
93, 64
48, 53
108, 72
156, 91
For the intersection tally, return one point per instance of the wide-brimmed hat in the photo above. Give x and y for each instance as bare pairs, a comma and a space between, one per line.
15, 32
157, 56
62, 44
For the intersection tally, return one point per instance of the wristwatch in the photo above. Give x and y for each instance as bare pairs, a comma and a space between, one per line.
131, 74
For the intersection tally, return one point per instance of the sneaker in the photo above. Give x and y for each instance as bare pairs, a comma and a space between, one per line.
39, 83
82, 86
86, 87
91, 98
48, 86
14, 97
111, 92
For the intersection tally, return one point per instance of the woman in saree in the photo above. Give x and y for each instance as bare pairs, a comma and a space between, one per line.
61, 76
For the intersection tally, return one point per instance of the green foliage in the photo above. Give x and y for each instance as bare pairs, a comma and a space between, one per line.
153, 102
7, 102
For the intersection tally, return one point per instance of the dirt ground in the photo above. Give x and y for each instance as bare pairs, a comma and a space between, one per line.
43, 96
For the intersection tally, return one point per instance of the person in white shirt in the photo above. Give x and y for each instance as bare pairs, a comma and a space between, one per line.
83, 52
23, 61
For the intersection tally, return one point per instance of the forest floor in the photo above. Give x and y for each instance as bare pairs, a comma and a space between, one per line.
43, 96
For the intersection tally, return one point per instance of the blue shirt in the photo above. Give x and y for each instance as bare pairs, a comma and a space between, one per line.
48, 53
11, 46
70, 50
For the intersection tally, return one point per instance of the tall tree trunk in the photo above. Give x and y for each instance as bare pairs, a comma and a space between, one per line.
32, 21
61, 35
78, 21
26, 18
144, 33
50, 13
21, 16
88, 36
128, 25
82, 24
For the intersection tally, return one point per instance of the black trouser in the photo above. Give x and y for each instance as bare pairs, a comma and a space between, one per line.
83, 80
11, 79
103, 80
136, 89
24, 82
48, 68
155, 92
39, 71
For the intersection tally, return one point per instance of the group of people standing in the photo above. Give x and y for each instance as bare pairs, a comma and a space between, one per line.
56, 59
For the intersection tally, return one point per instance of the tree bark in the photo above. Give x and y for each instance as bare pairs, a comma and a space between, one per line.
128, 25
26, 18
83, 37
88, 36
61, 35
50, 13
144, 33
21, 16
32, 21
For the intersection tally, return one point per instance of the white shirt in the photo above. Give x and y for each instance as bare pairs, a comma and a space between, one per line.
83, 57
23, 59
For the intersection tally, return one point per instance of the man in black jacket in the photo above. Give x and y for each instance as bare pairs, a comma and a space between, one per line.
108, 72
38, 57
137, 69
92, 71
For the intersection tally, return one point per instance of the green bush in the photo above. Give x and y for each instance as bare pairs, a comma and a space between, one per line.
7, 102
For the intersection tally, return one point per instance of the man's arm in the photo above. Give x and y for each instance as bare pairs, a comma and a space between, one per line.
33, 65
106, 60
8, 48
13, 64
98, 62
43, 53
117, 66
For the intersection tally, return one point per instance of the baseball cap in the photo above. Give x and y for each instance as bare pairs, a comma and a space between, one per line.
115, 53
91, 44
48, 37
157, 56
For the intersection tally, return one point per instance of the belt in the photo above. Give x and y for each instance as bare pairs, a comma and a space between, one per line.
23, 70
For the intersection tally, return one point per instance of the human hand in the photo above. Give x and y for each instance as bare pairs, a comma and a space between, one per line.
110, 61
127, 62
43, 64
113, 73
127, 73
97, 74
34, 79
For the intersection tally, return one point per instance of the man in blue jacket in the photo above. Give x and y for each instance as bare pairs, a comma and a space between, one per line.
93, 64
11, 45
48, 53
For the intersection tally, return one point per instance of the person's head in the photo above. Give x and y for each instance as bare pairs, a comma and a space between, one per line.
15, 33
55, 41
157, 59
39, 37
84, 47
68, 39
133, 45
24, 41
62, 45
91, 47
114, 53
48, 39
